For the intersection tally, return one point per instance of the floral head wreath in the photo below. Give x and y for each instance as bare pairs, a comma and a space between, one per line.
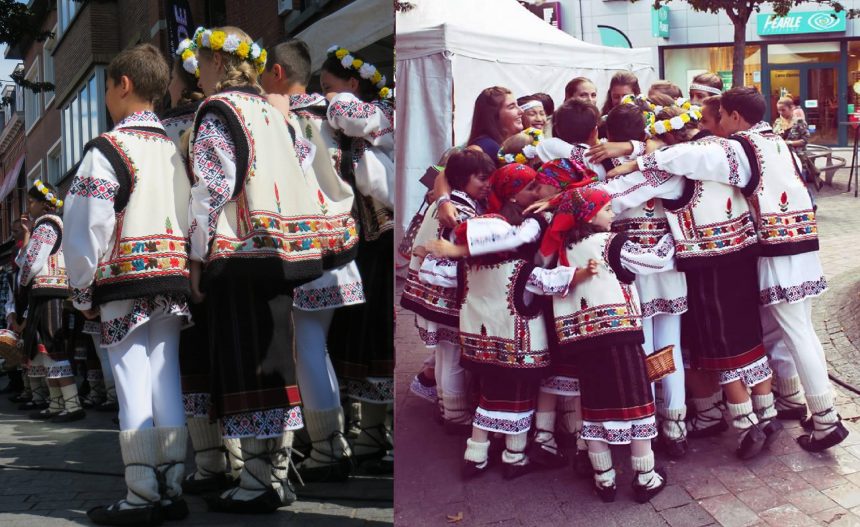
187, 51
675, 123
366, 70
529, 151
49, 196
231, 43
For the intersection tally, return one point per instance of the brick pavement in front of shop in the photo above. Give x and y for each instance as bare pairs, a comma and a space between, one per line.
784, 487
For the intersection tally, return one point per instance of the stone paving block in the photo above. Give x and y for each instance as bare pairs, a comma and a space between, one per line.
811, 501
830, 516
672, 496
761, 498
847, 495
786, 516
729, 511
787, 483
705, 488
800, 461
824, 477
689, 515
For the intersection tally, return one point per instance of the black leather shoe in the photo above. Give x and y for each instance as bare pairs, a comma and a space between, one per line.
752, 443
715, 429
641, 493
606, 494
546, 456
195, 487
834, 437
21, 398
788, 414
42, 415
149, 515
470, 469
771, 431
674, 448
30, 406
68, 417
512, 471
265, 503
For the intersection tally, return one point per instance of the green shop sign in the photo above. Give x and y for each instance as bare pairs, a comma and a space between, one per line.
660, 22
799, 23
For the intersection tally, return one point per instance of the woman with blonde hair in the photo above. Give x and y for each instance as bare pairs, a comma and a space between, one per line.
252, 227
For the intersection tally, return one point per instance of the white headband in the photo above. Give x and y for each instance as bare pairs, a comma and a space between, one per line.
531, 104
708, 89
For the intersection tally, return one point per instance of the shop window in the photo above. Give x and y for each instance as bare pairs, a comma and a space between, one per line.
682, 64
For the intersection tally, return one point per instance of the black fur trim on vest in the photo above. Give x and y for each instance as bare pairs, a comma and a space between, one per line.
58, 228
237, 134
180, 111
613, 256
704, 261
120, 170
141, 288
519, 290
674, 205
750, 188
271, 268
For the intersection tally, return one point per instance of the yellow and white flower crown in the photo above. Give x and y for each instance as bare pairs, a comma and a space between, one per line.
529, 151
675, 123
187, 50
231, 43
49, 196
365, 69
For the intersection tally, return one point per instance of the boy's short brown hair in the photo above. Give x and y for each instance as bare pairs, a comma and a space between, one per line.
574, 121
147, 69
625, 122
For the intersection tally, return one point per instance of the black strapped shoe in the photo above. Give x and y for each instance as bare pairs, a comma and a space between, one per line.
641, 493
520, 468
792, 411
836, 433
607, 493
702, 425
544, 454
752, 443
332, 467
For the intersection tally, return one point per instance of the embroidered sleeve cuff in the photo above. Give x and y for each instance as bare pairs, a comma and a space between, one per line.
638, 148
82, 298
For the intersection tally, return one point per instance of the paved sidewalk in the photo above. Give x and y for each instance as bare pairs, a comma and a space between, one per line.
784, 487
40, 485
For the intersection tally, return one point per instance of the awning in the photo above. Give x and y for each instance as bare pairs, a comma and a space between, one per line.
11, 178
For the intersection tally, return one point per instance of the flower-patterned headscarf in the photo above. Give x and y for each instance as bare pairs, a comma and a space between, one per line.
575, 205
506, 182
562, 173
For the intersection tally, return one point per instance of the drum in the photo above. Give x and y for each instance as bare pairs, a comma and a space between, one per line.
9, 350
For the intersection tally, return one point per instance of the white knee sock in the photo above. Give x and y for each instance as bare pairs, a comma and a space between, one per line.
789, 392
743, 417
476, 452
515, 446
824, 415
208, 449
764, 408
644, 468
673, 423
71, 401
601, 462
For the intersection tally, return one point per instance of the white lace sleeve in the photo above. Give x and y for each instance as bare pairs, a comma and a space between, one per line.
650, 260
550, 281
438, 271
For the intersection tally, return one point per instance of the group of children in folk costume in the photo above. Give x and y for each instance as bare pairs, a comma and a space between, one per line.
693, 244
248, 227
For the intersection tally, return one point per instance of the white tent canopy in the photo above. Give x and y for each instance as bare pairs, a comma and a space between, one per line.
354, 27
450, 50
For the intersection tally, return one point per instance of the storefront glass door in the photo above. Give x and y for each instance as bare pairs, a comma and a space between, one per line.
814, 89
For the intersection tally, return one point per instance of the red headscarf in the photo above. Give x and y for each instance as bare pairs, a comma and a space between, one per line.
506, 182
577, 204
562, 173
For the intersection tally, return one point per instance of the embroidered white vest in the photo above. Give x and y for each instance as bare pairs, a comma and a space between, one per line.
777, 195
334, 194
150, 250
435, 303
604, 309
177, 120
497, 328
51, 279
644, 224
274, 224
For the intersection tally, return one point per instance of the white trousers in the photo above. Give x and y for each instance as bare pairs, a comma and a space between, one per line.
804, 351
317, 380
146, 370
661, 331
450, 376
104, 360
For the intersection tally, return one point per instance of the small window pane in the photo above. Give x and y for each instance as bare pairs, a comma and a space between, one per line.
96, 105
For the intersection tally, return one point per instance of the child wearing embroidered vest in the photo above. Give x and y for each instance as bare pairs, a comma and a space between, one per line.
255, 225
599, 325
508, 354
43, 270
435, 306
789, 270
663, 296
127, 224
700, 182
287, 73
361, 337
